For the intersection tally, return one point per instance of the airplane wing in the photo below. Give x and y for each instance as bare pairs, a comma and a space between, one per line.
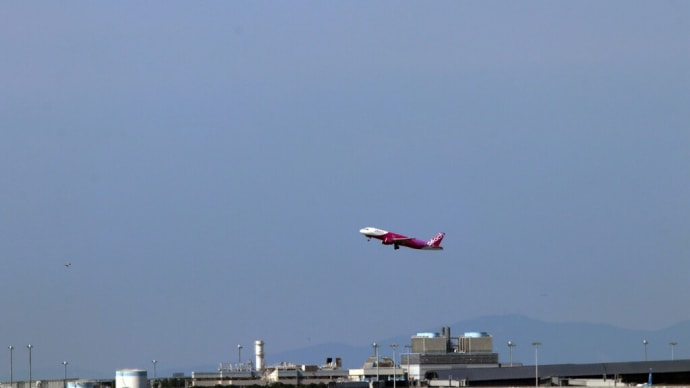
401, 239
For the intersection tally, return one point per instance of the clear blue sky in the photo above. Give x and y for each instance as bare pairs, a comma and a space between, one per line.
206, 167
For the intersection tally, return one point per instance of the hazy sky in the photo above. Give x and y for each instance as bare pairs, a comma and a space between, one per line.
206, 167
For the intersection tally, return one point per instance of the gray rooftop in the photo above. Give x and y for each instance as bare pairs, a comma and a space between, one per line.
662, 371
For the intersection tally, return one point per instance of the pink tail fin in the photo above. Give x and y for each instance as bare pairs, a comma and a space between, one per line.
436, 240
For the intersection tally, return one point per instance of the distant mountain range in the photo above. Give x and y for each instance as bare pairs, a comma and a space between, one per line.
568, 342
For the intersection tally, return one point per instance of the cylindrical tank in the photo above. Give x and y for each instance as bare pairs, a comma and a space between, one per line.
131, 378
259, 351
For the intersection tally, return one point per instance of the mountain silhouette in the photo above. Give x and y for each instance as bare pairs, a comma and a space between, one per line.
561, 343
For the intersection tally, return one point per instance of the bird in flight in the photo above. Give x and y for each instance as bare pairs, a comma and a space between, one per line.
68, 265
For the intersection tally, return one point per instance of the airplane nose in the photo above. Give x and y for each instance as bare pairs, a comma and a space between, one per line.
364, 230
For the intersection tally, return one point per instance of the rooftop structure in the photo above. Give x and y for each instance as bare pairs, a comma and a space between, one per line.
244, 374
442, 351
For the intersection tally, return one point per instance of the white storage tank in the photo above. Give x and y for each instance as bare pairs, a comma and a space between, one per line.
131, 378
259, 353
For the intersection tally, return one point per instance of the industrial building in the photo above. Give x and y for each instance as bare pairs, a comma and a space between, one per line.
258, 373
441, 359
431, 360
433, 352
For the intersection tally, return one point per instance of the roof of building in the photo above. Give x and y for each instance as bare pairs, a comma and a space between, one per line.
628, 371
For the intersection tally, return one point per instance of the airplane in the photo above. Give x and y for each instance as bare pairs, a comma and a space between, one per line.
397, 240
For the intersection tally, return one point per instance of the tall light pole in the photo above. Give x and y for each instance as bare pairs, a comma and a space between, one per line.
409, 350
376, 352
29, 347
536, 362
395, 358
11, 348
645, 342
673, 353
154, 362
64, 381
511, 345
239, 355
